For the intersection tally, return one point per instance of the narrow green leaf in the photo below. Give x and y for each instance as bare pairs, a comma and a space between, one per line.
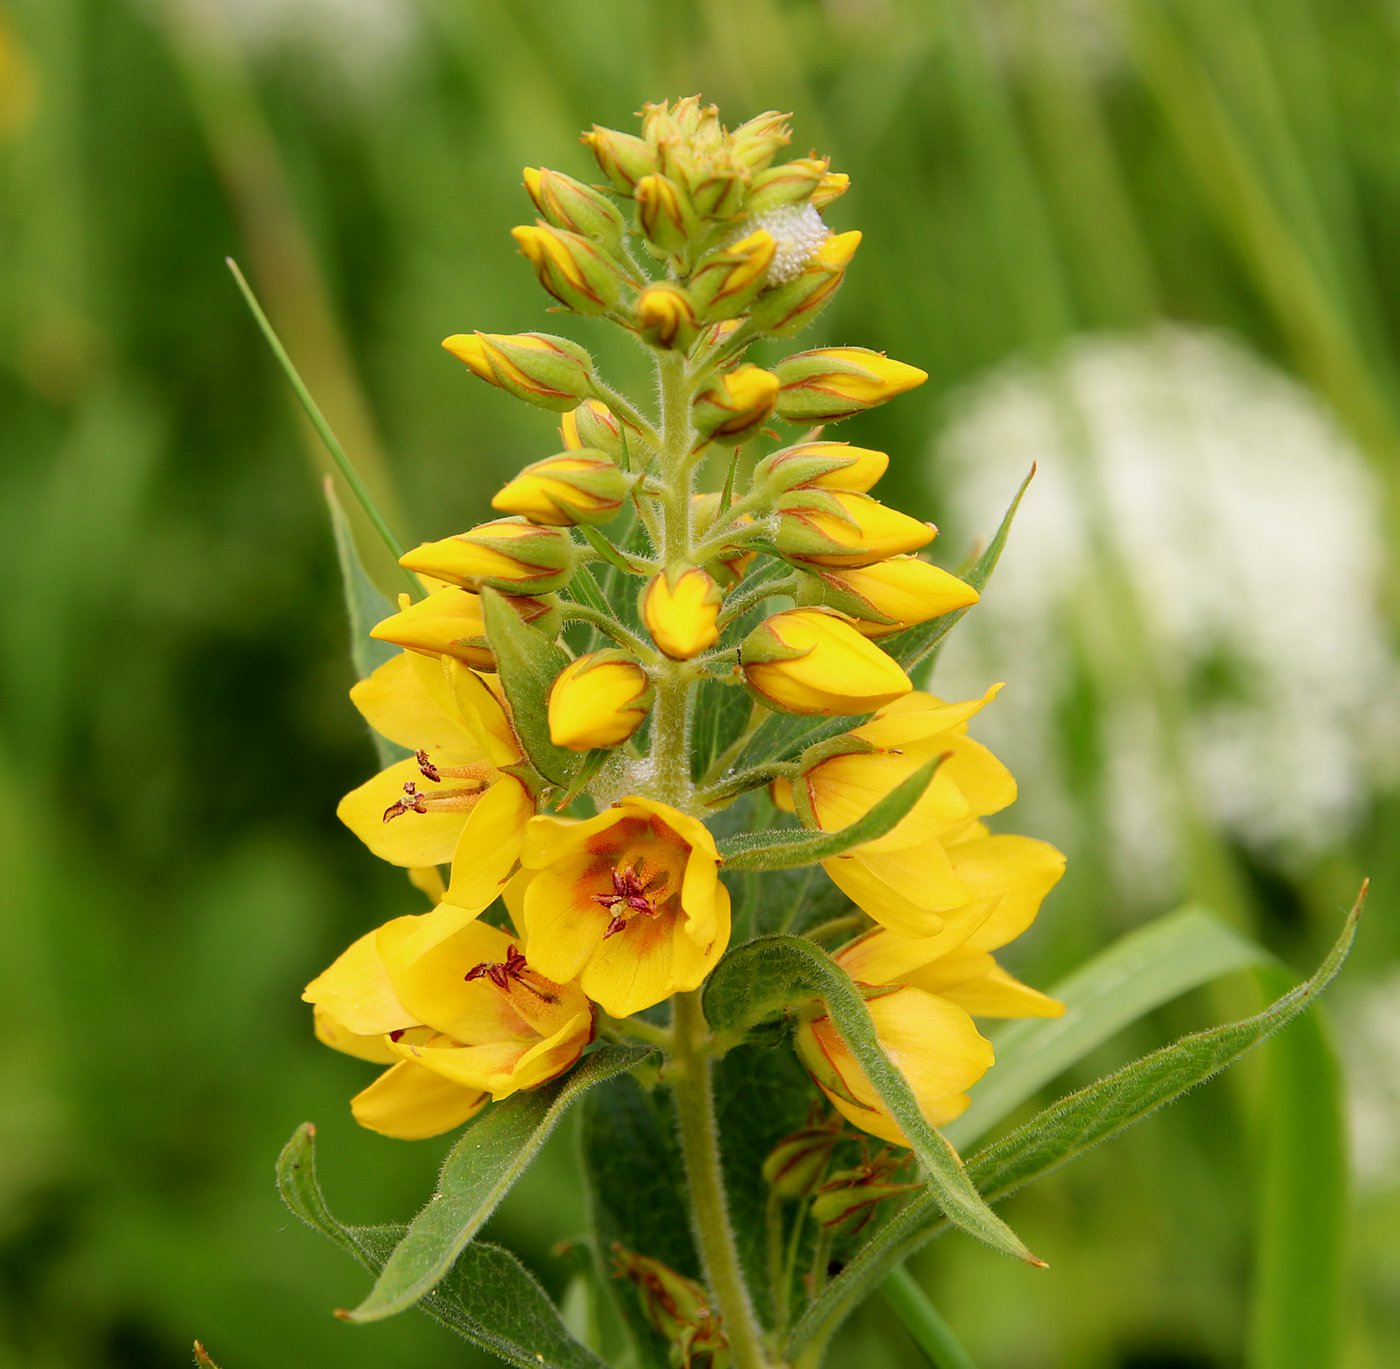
925, 1326
610, 553
528, 663
1063, 1132
584, 589
788, 847
917, 643
771, 974
489, 1298
364, 607
478, 1172
1148, 967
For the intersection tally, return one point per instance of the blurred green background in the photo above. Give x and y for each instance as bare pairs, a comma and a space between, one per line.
173, 660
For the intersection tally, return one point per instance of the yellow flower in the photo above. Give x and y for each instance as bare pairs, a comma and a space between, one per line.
628, 902
845, 528
808, 660
680, 611
457, 1012
575, 487
451, 801
895, 593
598, 700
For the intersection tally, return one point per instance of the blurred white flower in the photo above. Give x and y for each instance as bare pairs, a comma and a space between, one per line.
1369, 1030
1245, 529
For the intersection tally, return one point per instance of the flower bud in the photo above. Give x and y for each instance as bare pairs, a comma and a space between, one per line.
680, 607
665, 316
595, 425
758, 140
812, 661
843, 528
820, 465
536, 367
718, 193
795, 1166
832, 186
736, 404
569, 204
726, 281
507, 554
793, 182
574, 487
665, 215
894, 594
830, 383
787, 309
679, 1310
623, 158
598, 700
570, 268
449, 623
849, 1198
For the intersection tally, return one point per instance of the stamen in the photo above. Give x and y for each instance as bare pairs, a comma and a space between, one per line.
635, 894
501, 972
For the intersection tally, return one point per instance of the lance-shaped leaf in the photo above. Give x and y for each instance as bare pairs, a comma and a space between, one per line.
528, 663
478, 1172
769, 975
489, 1298
788, 847
917, 643
1063, 1132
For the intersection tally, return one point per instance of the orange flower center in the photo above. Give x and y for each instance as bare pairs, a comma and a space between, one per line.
633, 892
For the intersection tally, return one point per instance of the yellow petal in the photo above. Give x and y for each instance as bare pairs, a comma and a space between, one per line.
410, 838
356, 992
489, 845
1019, 871
974, 981
406, 701
411, 1103
330, 1033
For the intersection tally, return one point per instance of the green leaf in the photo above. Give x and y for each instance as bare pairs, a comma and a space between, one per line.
364, 607
925, 1326
771, 974
1063, 1132
917, 643
630, 1159
789, 847
720, 714
488, 1298
607, 550
528, 663
1145, 969
478, 1172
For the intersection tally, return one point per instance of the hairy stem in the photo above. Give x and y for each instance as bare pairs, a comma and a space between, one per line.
695, 1111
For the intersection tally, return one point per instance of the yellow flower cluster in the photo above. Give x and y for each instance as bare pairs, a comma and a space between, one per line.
554, 799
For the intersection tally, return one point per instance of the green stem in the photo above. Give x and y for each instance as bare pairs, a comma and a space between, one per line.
920, 1319
693, 1086
604, 622
847, 922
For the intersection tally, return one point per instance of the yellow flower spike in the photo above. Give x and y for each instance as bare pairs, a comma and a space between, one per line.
629, 903
449, 623
515, 557
598, 700
939, 1050
832, 383
665, 316
680, 608
548, 371
821, 466
844, 528
726, 281
736, 404
561, 491
813, 661
569, 204
894, 594
623, 158
571, 268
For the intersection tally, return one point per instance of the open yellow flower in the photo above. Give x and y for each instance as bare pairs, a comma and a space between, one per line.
628, 902
450, 802
455, 1010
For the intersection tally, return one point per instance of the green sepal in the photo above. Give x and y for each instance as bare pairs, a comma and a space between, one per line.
488, 1298
790, 846
478, 1172
774, 974
528, 664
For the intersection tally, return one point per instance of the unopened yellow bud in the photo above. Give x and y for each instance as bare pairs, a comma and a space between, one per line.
758, 140
512, 556
822, 466
680, 610
793, 182
844, 528
665, 215
622, 158
736, 403
551, 372
812, 661
595, 425
598, 700
831, 383
726, 281
449, 622
789, 307
570, 267
666, 316
569, 204
582, 486
832, 186
895, 594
